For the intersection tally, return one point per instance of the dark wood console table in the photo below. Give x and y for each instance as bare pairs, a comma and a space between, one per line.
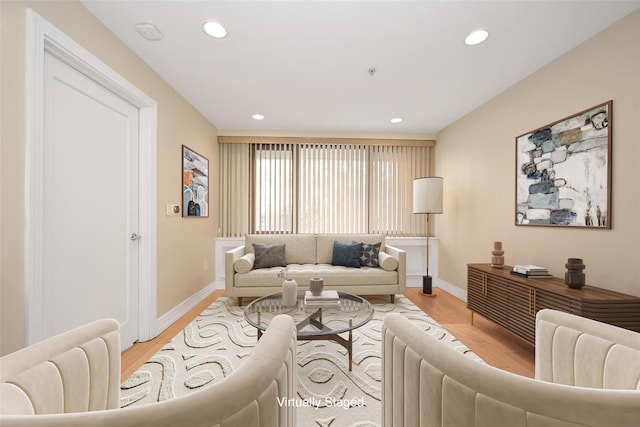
513, 301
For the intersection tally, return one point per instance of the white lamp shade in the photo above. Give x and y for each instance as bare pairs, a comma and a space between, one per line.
427, 195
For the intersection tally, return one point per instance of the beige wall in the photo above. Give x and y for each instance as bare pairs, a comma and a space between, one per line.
184, 245
476, 157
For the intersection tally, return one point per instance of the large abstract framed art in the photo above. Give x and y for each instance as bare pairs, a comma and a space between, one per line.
563, 172
195, 184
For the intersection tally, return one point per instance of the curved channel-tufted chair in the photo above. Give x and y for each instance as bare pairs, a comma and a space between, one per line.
72, 380
587, 374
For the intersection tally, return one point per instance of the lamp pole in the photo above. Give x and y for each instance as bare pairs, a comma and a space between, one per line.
427, 199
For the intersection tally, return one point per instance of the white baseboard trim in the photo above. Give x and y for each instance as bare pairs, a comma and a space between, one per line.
454, 290
170, 317
415, 281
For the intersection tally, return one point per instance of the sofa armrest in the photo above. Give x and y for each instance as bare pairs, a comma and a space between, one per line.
401, 256
577, 351
231, 257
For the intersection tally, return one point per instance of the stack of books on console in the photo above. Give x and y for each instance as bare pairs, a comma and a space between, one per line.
327, 299
531, 271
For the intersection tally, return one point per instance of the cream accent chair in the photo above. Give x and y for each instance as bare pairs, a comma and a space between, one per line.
73, 380
587, 374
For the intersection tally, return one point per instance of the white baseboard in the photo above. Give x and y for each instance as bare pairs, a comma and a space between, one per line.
170, 317
457, 292
415, 281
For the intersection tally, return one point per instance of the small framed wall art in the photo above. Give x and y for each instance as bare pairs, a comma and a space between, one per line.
195, 184
563, 172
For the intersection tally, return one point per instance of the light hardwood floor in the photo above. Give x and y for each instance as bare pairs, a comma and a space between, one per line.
494, 344
136, 355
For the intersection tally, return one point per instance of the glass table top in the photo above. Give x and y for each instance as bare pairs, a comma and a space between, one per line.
311, 321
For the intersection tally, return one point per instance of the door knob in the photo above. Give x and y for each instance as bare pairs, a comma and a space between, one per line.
135, 236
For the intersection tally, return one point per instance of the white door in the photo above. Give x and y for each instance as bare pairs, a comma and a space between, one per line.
90, 218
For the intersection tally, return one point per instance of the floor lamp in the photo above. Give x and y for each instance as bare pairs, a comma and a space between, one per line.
427, 199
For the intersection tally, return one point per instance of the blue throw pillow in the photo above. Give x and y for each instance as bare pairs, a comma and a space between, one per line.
346, 254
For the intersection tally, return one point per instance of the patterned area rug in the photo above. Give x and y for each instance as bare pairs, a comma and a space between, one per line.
219, 339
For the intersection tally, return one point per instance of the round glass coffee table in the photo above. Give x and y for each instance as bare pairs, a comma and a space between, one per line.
313, 322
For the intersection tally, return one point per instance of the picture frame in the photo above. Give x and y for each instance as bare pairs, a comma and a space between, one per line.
195, 184
563, 171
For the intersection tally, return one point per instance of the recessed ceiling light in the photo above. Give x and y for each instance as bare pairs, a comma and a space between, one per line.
476, 37
215, 30
258, 117
396, 120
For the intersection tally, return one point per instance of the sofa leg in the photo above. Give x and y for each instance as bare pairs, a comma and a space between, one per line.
239, 301
393, 298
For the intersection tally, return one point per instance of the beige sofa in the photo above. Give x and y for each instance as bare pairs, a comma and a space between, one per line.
308, 256
587, 374
73, 380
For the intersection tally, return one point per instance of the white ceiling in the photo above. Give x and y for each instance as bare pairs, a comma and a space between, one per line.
304, 64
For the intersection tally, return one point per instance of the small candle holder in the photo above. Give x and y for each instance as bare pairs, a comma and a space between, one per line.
316, 285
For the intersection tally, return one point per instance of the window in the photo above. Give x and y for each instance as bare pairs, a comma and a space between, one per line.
333, 189
273, 188
310, 187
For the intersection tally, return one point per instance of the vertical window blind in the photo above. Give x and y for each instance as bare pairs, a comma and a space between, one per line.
320, 188
333, 189
235, 189
393, 169
273, 188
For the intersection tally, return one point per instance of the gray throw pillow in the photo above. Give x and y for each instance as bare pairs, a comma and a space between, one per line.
269, 256
369, 254
346, 254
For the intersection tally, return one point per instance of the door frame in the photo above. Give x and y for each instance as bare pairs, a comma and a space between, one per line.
41, 37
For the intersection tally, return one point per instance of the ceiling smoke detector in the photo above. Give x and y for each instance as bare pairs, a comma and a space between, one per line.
371, 71
149, 32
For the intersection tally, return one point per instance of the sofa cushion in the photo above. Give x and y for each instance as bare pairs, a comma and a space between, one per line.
369, 254
337, 276
346, 254
268, 256
325, 244
387, 262
245, 263
299, 248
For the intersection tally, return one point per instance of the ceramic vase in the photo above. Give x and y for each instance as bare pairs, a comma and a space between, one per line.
574, 277
289, 292
316, 285
497, 255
